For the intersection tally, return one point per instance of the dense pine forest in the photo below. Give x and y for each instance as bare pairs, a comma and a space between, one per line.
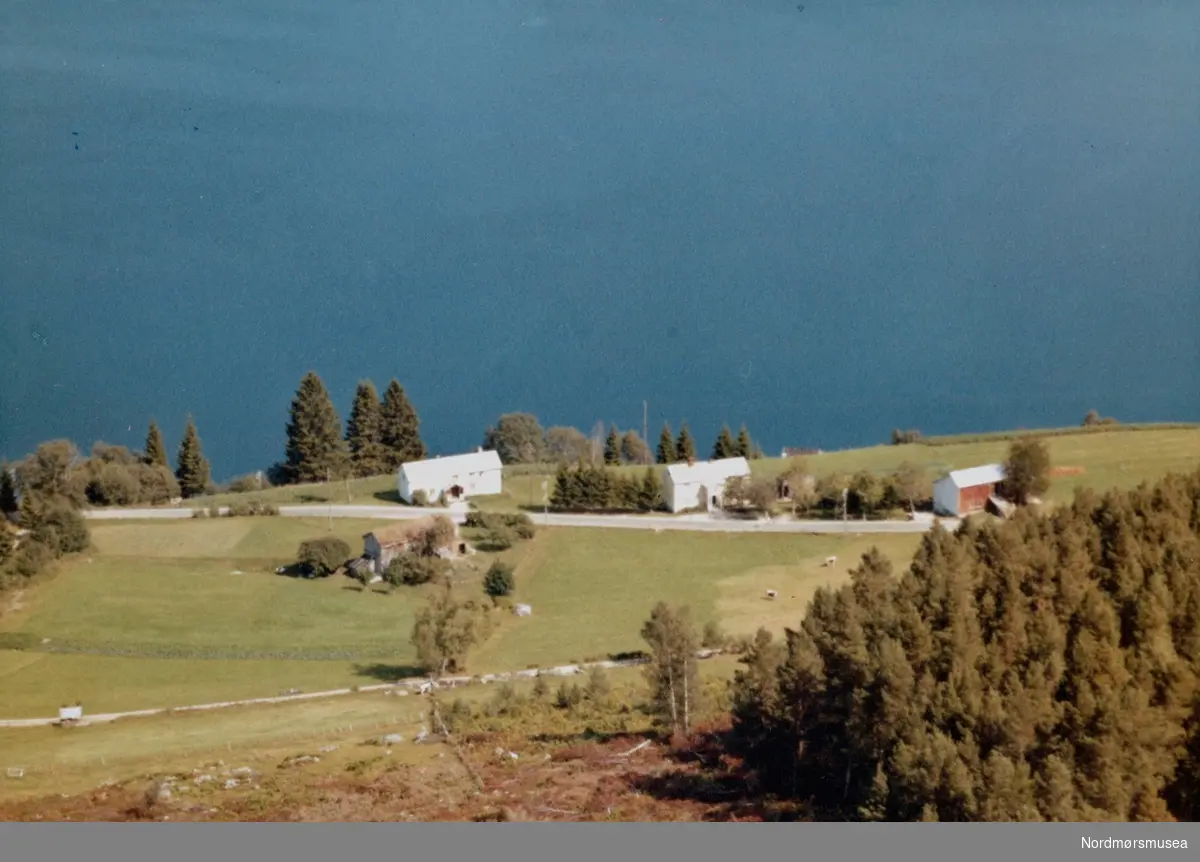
1043, 668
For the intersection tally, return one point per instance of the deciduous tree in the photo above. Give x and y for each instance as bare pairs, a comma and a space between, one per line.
517, 438
1027, 470
445, 631
672, 670
634, 449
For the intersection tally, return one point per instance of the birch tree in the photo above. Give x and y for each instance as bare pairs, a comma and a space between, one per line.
672, 672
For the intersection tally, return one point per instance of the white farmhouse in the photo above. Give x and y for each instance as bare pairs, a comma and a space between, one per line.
476, 474
700, 483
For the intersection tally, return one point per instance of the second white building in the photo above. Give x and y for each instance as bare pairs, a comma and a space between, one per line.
700, 484
475, 474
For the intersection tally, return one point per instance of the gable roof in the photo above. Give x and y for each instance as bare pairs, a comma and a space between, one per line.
988, 474
435, 470
403, 531
708, 471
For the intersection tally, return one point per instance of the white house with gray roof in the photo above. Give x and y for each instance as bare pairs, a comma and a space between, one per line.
475, 474
700, 483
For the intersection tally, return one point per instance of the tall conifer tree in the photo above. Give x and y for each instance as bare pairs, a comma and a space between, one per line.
155, 453
315, 452
364, 432
666, 446
401, 428
685, 448
192, 469
725, 446
612, 447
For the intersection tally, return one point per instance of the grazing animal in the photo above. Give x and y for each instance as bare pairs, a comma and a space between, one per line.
771, 594
831, 561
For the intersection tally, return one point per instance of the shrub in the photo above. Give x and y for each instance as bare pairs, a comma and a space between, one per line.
420, 498
568, 696
61, 529
541, 688
324, 556
713, 637
440, 534
500, 538
598, 687
499, 580
248, 483
113, 485
413, 569
199, 513
32, 559
214, 511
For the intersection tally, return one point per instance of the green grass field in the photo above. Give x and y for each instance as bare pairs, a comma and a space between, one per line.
155, 615
1112, 459
1109, 459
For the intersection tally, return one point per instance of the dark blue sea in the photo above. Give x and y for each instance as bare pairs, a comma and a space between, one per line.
824, 221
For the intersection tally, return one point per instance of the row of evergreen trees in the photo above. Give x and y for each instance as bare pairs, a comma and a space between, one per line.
380, 434
588, 487
1043, 668
672, 449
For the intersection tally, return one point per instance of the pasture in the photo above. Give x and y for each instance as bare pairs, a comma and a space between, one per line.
146, 619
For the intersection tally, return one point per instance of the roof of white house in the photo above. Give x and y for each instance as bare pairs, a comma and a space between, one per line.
437, 469
708, 471
988, 474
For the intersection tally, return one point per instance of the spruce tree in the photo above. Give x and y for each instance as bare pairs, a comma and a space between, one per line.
314, 445
650, 492
156, 450
666, 446
725, 446
401, 428
364, 432
191, 467
8, 489
685, 448
612, 446
7, 544
563, 496
744, 446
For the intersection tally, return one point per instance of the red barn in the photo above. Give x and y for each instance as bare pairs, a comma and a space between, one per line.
962, 492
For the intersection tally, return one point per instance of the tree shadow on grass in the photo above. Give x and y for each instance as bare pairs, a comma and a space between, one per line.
312, 498
389, 496
385, 672
702, 773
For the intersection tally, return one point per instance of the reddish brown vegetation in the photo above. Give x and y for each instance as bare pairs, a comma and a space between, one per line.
570, 781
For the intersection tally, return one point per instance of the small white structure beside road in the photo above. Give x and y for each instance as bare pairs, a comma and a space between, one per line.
475, 474
964, 492
700, 484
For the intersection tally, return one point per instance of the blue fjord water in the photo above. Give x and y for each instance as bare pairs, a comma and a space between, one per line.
825, 222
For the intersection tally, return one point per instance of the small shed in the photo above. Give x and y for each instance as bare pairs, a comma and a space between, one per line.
964, 492
701, 483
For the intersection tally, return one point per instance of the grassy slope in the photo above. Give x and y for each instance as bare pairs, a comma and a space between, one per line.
1119, 458
591, 590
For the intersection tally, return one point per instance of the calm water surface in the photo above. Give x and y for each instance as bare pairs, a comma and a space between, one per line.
825, 223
